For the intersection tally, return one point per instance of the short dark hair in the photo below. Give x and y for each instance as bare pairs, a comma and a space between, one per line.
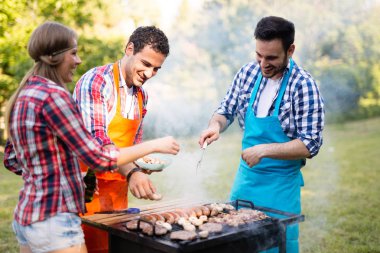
270, 28
152, 36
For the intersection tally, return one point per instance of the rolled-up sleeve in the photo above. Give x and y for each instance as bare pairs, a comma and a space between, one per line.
310, 115
10, 159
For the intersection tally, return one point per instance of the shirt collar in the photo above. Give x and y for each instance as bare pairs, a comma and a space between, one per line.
122, 82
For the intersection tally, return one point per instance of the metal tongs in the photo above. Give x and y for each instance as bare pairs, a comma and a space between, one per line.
201, 157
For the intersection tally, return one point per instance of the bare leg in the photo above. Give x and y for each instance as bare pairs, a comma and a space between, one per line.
25, 249
80, 248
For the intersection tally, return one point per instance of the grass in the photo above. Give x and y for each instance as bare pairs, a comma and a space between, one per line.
9, 188
340, 200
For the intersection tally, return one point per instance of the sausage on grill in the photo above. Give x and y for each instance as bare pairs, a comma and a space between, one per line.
158, 216
181, 213
198, 210
169, 218
149, 217
175, 215
205, 210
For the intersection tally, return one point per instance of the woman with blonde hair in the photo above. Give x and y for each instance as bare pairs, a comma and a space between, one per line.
46, 137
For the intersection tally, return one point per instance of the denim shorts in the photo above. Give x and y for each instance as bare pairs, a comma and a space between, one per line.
58, 232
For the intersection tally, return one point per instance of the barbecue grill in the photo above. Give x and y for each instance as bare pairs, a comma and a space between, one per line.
252, 237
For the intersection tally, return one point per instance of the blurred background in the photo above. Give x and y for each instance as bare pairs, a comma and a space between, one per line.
336, 41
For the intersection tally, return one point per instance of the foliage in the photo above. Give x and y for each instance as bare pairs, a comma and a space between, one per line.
332, 39
19, 18
89, 48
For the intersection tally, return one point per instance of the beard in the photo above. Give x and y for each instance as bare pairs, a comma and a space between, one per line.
270, 71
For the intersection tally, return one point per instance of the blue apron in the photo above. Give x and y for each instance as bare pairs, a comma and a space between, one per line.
270, 183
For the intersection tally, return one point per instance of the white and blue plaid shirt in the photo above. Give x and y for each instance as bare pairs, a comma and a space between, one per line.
301, 110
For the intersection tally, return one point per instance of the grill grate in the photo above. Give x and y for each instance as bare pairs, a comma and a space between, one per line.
252, 237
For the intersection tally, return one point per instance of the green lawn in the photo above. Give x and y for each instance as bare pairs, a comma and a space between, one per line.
341, 197
9, 187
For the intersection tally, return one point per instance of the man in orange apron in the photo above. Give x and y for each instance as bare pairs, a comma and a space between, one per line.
113, 105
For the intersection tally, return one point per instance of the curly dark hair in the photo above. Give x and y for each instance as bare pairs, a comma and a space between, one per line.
152, 36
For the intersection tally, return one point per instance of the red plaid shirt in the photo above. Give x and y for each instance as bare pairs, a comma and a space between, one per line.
47, 136
96, 95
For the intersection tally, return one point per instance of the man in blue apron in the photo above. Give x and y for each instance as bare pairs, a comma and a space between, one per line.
280, 109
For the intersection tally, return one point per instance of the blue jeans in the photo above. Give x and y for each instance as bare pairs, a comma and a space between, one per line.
58, 232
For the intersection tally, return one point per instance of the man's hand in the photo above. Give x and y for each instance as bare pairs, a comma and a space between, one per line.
141, 186
253, 155
218, 124
291, 150
210, 135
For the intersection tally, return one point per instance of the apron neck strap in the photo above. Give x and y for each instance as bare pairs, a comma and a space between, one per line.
284, 83
280, 93
116, 80
255, 89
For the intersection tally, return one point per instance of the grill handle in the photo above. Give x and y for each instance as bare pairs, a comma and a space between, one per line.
290, 218
245, 203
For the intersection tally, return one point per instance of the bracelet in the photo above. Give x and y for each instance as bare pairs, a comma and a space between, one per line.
131, 172
134, 163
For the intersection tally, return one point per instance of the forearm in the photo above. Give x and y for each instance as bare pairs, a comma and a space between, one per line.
125, 169
218, 122
130, 154
291, 150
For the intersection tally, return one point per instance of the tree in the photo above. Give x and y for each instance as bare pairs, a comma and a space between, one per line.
18, 19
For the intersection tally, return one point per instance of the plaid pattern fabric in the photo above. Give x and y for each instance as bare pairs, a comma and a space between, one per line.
47, 136
96, 95
301, 110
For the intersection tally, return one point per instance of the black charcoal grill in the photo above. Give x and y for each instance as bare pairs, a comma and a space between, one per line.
252, 237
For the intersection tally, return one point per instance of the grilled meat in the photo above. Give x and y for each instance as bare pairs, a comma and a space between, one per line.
211, 227
183, 235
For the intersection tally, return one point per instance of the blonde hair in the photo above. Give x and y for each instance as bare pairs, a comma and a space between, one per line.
46, 46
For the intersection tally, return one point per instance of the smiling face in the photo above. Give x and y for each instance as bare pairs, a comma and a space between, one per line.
272, 57
139, 67
71, 60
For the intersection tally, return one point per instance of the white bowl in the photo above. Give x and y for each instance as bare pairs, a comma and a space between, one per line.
163, 159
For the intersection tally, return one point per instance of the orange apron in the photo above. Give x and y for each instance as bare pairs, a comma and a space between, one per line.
113, 187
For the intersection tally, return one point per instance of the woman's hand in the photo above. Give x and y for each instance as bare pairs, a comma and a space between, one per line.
166, 145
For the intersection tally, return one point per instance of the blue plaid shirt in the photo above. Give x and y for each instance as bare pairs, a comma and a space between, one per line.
301, 110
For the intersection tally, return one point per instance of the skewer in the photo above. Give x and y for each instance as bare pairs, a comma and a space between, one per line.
200, 159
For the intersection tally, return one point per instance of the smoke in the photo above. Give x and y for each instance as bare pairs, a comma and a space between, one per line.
321, 175
173, 112
212, 181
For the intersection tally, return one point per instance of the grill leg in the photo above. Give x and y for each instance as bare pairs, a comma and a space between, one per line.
282, 242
